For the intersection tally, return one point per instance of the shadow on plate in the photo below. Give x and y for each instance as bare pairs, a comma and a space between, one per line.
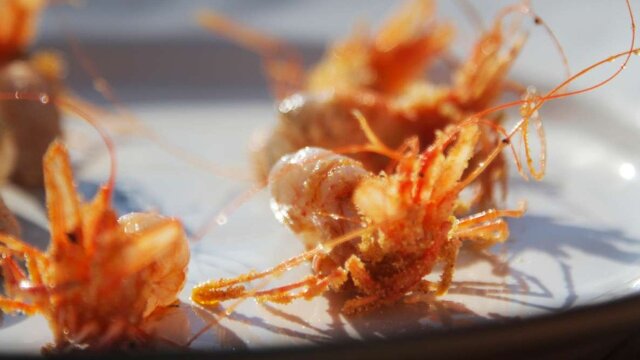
428, 313
547, 235
176, 326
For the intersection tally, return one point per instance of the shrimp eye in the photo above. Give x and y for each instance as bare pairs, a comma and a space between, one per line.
72, 237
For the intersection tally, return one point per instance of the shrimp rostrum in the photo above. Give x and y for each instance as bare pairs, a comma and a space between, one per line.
101, 276
374, 236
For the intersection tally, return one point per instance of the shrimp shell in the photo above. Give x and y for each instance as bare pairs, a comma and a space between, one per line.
311, 193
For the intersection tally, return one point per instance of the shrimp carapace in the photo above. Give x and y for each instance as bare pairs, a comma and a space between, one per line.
101, 276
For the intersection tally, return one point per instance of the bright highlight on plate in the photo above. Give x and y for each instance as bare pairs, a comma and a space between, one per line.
627, 171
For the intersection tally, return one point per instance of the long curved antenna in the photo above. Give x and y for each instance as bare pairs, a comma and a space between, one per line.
282, 63
104, 88
551, 95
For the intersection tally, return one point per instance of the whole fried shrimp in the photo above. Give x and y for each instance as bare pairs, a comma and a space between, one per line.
101, 276
383, 76
375, 236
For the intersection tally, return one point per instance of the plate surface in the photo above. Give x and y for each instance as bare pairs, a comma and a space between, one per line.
579, 243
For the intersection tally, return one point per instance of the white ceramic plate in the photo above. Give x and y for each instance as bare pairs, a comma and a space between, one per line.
578, 244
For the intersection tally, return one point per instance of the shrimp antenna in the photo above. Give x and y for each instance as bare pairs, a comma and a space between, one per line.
213, 292
472, 14
106, 138
102, 86
373, 145
220, 217
531, 105
538, 20
526, 8
282, 63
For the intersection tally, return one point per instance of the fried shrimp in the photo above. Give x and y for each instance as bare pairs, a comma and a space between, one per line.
383, 76
376, 236
26, 128
101, 276
395, 227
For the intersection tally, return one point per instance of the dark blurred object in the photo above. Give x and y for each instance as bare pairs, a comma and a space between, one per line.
32, 124
8, 223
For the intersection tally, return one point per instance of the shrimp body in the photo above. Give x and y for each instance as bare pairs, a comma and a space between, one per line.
100, 277
405, 223
383, 77
165, 277
325, 120
311, 193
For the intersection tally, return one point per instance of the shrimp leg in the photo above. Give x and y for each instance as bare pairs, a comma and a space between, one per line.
18, 246
283, 294
488, 215
33, 257
9, 306
314, 286
487, 234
